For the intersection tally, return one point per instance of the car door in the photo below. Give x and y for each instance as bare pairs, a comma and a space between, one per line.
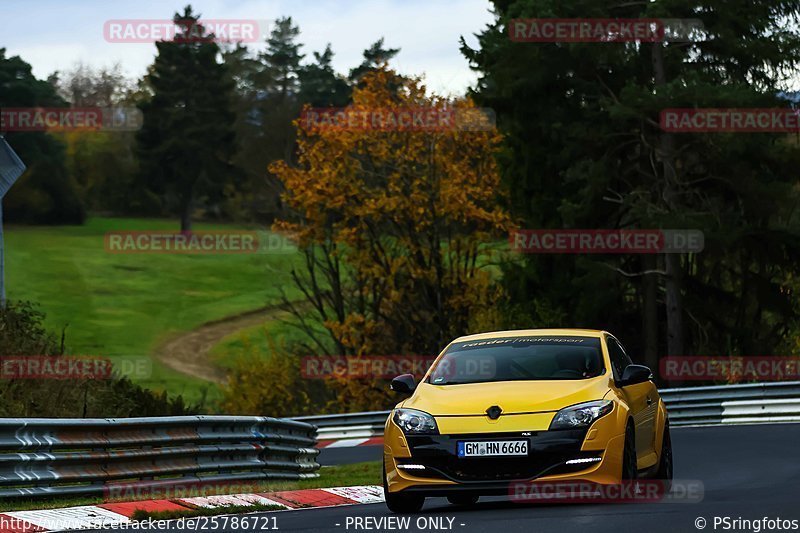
642, 399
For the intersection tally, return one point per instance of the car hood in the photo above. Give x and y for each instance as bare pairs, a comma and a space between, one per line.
511, 396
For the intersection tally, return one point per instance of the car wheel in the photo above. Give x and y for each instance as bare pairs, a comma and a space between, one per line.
629, 466
463, 499
665, 463
398, 502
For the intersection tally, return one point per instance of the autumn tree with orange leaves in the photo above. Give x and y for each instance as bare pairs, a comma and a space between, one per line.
395, 224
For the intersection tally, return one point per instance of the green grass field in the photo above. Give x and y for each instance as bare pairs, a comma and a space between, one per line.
256, 341
125, 304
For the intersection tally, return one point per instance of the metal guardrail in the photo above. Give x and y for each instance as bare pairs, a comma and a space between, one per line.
45, 456
721, 404
348, 426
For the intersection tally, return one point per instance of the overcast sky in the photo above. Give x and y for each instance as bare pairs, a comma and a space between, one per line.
54, 35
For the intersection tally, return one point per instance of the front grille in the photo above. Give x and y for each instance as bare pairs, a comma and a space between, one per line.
548, 450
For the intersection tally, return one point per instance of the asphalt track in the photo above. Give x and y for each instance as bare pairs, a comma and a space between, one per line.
748, 472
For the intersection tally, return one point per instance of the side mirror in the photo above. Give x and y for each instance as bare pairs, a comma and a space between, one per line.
404, 383
634, 374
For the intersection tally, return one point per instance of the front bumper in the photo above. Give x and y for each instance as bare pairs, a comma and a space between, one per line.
444, 472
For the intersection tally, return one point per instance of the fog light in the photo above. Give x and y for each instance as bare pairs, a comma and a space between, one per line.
411, 467
583, 460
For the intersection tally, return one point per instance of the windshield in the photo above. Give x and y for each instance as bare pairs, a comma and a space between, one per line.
519, 359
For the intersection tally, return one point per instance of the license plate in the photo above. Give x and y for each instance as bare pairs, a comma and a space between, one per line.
492, 448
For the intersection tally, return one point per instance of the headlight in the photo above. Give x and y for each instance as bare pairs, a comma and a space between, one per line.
414, 422
581, 415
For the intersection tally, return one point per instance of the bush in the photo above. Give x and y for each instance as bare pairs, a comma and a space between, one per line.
22, 334
272, 385
46, 193
267, 386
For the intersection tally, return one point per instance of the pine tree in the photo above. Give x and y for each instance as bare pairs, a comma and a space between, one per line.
186, 143
374, 56
320, 85
585, 150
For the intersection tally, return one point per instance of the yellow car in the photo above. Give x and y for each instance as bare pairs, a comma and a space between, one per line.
530, 406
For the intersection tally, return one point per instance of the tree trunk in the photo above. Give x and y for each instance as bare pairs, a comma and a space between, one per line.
666, 154
186, 216
650, 312
674, 301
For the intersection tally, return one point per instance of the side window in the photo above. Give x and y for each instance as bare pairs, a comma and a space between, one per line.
619, 359
625, 356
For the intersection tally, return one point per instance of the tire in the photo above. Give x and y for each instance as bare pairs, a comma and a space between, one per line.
665, 463
400, 503
463, 499
629, 466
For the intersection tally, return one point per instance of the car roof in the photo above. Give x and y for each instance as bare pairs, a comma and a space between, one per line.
561, 332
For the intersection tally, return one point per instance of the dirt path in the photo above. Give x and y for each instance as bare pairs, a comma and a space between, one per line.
188, 352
